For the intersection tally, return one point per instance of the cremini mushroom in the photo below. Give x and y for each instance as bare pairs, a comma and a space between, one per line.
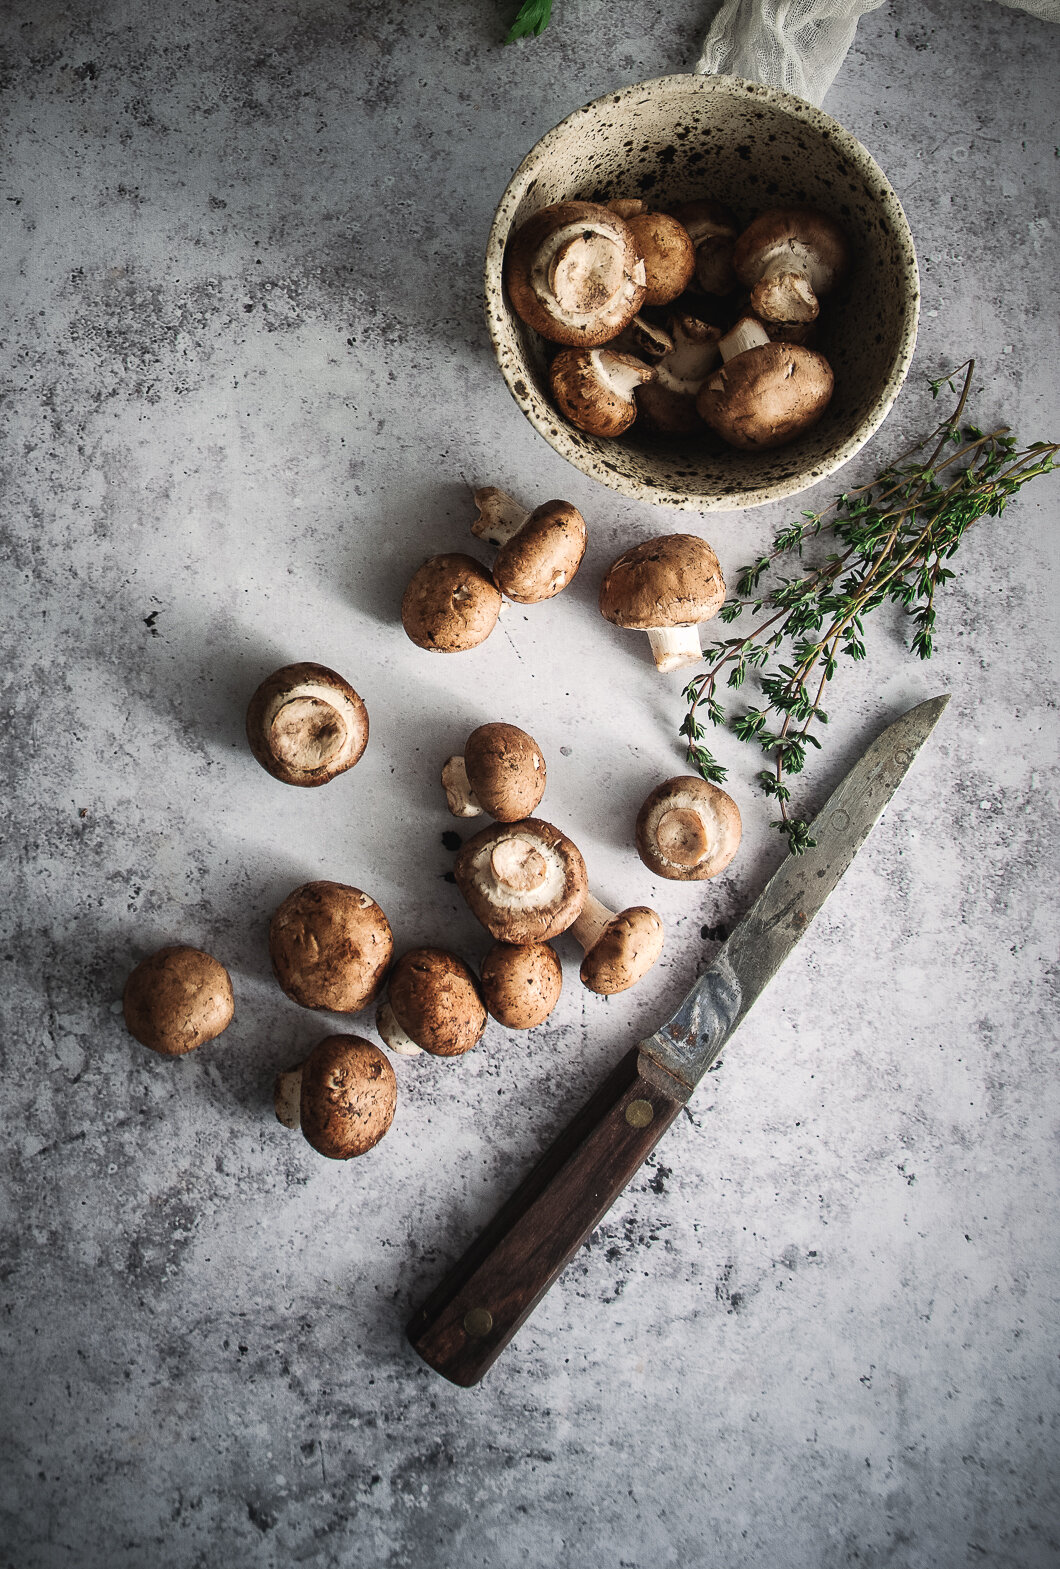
524, 881
343, 1096
790, 258
668, 252
433, 1004
765, 393
620, 948
177, 999
451, 604
594, 388
668, 402
665, 587
330, 946
540, 551
521, 983
500, 771
305, 724
574, 274
688, 829
712, 228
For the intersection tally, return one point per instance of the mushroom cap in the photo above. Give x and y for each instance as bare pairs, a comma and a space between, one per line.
505, 769
594, 388
524, 881
330, 946
713, 229
767, 396
521, 983
348, 1096
625, 951
306, 724
450, 604
671, 581
574, 273
435, 999
543, 556
177, 999
788, 233
688, 829
669, 255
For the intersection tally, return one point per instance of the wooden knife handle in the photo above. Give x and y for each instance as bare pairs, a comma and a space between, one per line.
466, 1323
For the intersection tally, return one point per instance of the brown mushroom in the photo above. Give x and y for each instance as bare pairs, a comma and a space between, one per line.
669, 255
712, 229
790, 258
540, 551
688, 829
521, 983
765, 393
451, 604
343, 1096
433, 1004
177, 999
574, 274
668, 402
501, 771
619, 949
330, 946
524, 881
306, 725
665, 587
594, 388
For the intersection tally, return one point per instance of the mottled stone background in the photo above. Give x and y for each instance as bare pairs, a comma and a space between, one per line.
245, 380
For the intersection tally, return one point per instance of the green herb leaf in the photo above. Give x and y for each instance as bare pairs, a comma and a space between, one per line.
531, 20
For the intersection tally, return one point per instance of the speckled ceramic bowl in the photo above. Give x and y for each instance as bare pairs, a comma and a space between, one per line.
751, 147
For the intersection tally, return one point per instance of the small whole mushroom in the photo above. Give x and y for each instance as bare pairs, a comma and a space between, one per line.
451, 604
594, 388
665, 587
524, 881
765, 393
433, 1004
688, 829
306, 725
712, 229
540, 551
620, 948
330, 946
177, 999
790, 258
574, 274
521, 983
668, 252
501, 771
343, 1096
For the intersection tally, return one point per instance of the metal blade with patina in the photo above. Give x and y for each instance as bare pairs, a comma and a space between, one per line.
747, 961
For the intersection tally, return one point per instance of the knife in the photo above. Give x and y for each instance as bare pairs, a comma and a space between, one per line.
468, 1320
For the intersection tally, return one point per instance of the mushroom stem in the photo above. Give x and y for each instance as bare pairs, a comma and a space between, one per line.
393, 1035
462, 800
591, 923
796, 259
287, 1097
673, 647
747, 334
500, 516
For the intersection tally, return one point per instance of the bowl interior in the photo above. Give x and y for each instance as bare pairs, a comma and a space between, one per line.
751, 147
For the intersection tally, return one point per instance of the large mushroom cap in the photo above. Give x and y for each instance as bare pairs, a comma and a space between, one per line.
688, 829
524, 881
330, 946
348, 1096
505, 770
435, 999
574, 274
543, 556
451, 604
177, 999
767, 396
674, 580
306, 724
521, 983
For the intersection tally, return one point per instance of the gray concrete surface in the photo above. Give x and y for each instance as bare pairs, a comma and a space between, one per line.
245, 379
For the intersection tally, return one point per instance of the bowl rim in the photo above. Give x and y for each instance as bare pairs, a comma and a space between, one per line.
553, 428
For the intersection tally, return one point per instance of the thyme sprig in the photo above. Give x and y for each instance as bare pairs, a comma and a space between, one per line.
892, 539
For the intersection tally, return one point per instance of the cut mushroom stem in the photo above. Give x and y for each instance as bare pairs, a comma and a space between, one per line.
500, 516
394, 1037
458, 792
747, 334
620, 948
287, 1097
674, 647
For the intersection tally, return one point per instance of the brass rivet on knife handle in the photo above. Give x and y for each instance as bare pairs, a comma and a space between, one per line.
639, 1113
478, 1323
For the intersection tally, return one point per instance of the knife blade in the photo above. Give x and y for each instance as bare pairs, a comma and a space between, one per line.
489, 1293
